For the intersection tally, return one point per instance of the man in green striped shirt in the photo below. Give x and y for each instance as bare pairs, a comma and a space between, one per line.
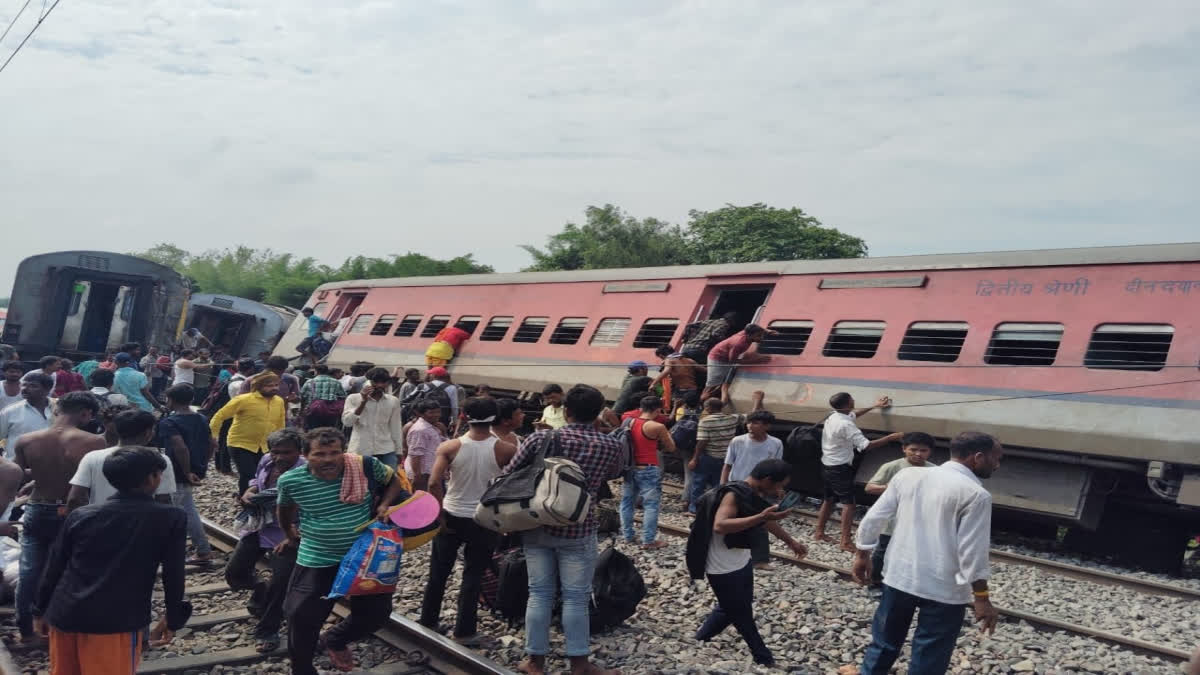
326, 531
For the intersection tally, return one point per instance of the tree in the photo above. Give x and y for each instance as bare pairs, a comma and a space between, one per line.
281, 278
760, 232
611, 238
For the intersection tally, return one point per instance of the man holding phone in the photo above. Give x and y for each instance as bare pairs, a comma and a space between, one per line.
719, 548
375, 421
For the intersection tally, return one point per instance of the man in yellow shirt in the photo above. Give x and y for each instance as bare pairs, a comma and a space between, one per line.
255, 416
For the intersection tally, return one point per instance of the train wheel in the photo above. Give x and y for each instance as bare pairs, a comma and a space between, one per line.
1149, 541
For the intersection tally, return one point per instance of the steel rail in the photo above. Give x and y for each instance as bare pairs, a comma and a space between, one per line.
400, 632
1041, 622
1102, 577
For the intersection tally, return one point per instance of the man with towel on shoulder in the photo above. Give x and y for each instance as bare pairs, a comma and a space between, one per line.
320, 507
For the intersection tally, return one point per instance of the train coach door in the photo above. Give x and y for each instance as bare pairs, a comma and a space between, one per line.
745, 300
343, 310
72, 332
121, 317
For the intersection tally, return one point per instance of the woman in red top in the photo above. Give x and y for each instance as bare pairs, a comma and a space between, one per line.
645, 479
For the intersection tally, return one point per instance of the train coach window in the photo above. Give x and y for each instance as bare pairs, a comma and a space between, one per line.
933, 341
568, 331
792, 339
610, 332
384, 324
1119, 346
655, 333
360, 323
1024, 344
531, 329
436, 323
496, 329
468, 323
854, 339
408, 325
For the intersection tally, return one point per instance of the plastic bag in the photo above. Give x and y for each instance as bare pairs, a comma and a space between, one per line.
373, 564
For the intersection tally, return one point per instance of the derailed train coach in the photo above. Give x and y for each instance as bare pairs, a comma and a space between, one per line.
242, 326
81, 304
1082, 361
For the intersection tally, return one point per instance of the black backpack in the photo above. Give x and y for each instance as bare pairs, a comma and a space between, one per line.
617, 588
427, 391
512, 586
803, 444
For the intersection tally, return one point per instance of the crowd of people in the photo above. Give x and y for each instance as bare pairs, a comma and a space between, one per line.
124, 444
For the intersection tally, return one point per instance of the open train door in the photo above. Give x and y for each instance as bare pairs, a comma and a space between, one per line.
743, 295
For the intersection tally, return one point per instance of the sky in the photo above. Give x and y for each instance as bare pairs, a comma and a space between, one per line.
371, 127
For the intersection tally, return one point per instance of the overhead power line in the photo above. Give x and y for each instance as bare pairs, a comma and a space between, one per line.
14, 21
27, 35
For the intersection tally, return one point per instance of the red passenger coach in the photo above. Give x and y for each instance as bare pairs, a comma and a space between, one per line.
1084, 362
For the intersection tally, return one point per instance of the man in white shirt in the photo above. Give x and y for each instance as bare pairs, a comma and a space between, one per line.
48, 365
32, 414
840, 440
184, 371
89, 486
937, 562
917, 447
373, 415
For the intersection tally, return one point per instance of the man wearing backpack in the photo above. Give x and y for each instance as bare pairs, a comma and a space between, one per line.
566, 556
646, 437
727, 522
102, 381
439, 388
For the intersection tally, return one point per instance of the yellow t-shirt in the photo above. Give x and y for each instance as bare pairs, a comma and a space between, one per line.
556, 418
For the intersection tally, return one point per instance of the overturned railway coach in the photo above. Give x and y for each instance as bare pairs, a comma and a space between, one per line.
1084, 362
242, 326
85, 303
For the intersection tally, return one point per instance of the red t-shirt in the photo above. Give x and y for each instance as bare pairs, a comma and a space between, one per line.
731, 348
452, 336
634, 414
645, 450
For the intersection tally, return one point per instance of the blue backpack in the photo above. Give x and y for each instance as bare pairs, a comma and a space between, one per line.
684, 434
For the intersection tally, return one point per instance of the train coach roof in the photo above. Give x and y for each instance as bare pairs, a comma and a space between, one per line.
1101, 255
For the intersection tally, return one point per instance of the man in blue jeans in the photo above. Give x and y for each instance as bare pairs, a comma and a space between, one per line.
51, 456
937, 561
566, 556
650, 439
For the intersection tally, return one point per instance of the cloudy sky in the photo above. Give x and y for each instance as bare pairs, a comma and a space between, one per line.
378, 127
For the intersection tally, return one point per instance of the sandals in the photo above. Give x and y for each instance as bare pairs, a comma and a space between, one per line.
341, 659
267, 645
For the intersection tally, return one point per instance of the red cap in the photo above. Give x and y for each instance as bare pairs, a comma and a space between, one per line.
438, 371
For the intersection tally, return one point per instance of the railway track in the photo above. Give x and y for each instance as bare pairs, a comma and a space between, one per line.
1148, 586
1037, 621
420, 651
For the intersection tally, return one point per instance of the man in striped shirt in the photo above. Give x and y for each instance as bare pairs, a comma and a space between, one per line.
713, 434
311, 495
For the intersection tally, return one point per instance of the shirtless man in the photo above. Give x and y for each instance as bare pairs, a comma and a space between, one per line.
51, 456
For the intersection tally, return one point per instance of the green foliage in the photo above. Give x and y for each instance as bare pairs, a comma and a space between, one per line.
760, 232
611, 238
281, 278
